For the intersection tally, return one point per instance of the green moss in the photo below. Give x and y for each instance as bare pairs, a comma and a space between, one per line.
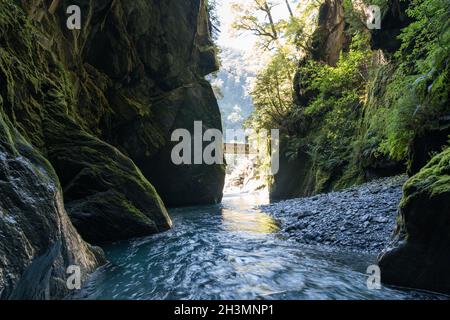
433, 180
417, 95
91, 169
60, 112
23, 71
331, 119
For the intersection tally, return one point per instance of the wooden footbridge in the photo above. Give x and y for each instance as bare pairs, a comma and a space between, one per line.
238, 149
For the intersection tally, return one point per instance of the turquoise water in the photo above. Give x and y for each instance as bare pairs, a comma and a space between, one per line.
231, 251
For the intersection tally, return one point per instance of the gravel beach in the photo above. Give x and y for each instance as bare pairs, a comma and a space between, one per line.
360, 218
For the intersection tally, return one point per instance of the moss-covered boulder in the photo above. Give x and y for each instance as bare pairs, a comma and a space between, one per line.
419, 256
107, 196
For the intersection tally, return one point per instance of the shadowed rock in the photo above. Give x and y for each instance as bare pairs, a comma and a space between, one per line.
419, 256
37, 239
93, 110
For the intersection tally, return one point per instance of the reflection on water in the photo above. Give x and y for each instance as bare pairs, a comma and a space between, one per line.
239, 215
230, 251
242, 221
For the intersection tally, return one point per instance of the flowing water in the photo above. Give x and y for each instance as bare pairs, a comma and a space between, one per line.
231, 251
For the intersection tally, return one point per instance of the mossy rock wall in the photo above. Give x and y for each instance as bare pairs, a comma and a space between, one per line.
86, 118
419, 256
37, 239
138, 68
396, 120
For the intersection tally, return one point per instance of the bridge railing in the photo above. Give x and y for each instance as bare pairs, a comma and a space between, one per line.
239, 148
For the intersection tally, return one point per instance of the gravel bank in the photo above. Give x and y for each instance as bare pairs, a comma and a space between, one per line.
361, 218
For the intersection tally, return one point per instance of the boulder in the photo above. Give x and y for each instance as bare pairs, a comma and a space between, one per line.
103, 189
146, 62
419, 255
107, 196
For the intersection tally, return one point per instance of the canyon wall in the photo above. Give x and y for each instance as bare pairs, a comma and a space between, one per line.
382, 116
364, 150
86, 121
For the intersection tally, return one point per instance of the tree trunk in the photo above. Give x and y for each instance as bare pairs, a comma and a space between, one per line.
289, 8
272, 23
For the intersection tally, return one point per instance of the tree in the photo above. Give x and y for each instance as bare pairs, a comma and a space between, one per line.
258, 19
272, 94
286, 40
211, 7
53, 6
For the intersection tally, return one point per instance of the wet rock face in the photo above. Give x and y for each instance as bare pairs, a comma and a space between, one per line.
419, 256
189, 184
108, 200
60, 112
137, 71
37, 239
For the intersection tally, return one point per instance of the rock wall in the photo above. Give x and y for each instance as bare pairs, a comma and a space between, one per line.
302, 175
37, 239
419, 255
408, 82
297, 177
87, 117
139, 67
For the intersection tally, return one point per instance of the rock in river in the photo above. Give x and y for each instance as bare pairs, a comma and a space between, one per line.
419, 256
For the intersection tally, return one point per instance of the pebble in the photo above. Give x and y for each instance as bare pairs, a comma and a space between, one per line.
357, 219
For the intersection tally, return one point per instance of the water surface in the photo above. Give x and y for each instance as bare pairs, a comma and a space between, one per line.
231, 251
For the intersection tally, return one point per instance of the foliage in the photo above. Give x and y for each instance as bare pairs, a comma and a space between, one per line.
211, 7
272, 94
232, 87
417, 95
370, 106
257, 18
331, 117
287, 40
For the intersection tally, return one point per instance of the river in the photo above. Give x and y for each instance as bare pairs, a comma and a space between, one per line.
231, 251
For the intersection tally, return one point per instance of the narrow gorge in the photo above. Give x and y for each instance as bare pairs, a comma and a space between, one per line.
87, 176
